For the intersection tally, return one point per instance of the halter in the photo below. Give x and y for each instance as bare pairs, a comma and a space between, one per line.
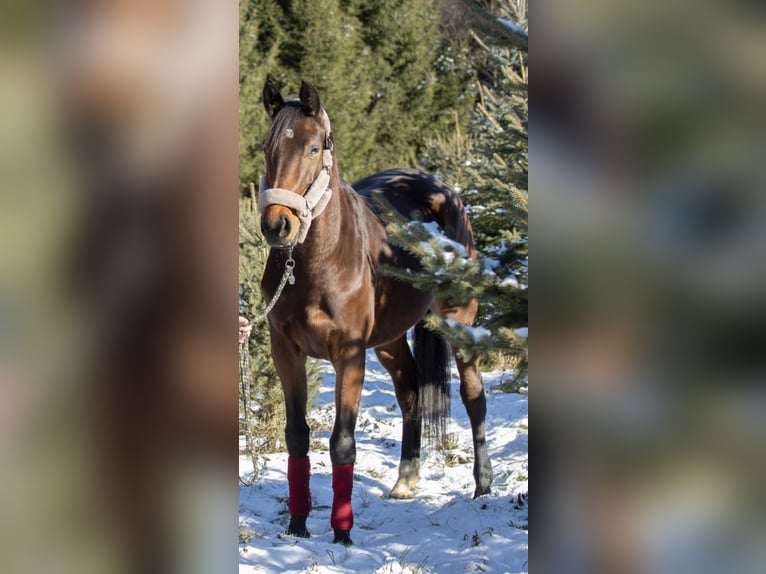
308, 206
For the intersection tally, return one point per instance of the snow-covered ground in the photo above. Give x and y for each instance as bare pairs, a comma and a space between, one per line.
441, 530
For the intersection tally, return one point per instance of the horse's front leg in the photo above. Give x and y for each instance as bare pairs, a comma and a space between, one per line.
290, 363
349, 375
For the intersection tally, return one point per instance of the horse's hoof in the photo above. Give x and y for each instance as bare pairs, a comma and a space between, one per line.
297, 527
298, 533
401, 491
481, 491
342, 537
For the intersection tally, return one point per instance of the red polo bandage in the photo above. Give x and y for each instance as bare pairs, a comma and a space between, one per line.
298, 473
342, 517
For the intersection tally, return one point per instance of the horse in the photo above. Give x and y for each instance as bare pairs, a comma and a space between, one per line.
333, 239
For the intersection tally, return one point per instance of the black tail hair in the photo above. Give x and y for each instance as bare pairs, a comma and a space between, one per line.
432, 357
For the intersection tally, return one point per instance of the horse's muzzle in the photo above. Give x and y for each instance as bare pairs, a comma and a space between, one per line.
279, 227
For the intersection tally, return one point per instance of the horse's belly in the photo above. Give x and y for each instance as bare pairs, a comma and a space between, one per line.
397, 310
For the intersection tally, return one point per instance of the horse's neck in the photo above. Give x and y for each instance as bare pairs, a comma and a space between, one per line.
341, 230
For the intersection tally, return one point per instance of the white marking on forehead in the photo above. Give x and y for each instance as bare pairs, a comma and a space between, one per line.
289, 133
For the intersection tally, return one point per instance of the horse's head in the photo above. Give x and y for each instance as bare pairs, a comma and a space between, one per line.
298, 150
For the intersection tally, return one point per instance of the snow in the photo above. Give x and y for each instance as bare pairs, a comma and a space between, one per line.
449, 248
442, 529
512, 26
478, 333
510, 281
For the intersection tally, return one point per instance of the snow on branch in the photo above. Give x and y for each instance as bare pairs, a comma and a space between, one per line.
514, 27
436, 234
476, 333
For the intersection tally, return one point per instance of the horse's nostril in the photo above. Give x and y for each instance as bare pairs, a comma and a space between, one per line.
276, 230
284, 226
265, 228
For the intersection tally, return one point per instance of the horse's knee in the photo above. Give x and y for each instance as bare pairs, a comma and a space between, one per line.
342, 448
297, 438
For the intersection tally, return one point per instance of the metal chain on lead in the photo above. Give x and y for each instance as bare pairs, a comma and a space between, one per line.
244, 378
287, 277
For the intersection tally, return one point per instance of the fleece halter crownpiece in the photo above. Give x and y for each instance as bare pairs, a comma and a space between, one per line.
307, 206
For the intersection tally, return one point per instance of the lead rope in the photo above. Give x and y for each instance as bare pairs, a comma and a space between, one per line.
287, 277
244, 420
244, 369
244, 379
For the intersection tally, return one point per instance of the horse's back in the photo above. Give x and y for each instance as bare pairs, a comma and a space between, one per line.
418, 196
406, 190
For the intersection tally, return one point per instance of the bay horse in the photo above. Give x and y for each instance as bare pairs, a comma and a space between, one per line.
343, 303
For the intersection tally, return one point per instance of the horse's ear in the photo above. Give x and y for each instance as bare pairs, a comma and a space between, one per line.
272, 99
309, 99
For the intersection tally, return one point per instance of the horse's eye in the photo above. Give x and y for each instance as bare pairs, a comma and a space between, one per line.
313, 150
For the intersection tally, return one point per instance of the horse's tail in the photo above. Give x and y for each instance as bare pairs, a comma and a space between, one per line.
432, 356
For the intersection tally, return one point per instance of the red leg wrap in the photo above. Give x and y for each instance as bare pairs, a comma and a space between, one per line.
342, 517
298, 473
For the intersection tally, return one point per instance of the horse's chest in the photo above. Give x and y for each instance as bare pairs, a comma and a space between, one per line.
321, 326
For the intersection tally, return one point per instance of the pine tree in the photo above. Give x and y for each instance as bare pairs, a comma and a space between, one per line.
416, 92
379, 66
260, 39
489, 167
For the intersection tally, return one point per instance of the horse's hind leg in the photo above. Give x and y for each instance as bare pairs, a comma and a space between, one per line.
472, 395
291, 367
397, 358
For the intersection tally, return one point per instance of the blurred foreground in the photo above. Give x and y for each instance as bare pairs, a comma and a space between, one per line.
118, 283
649, 279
